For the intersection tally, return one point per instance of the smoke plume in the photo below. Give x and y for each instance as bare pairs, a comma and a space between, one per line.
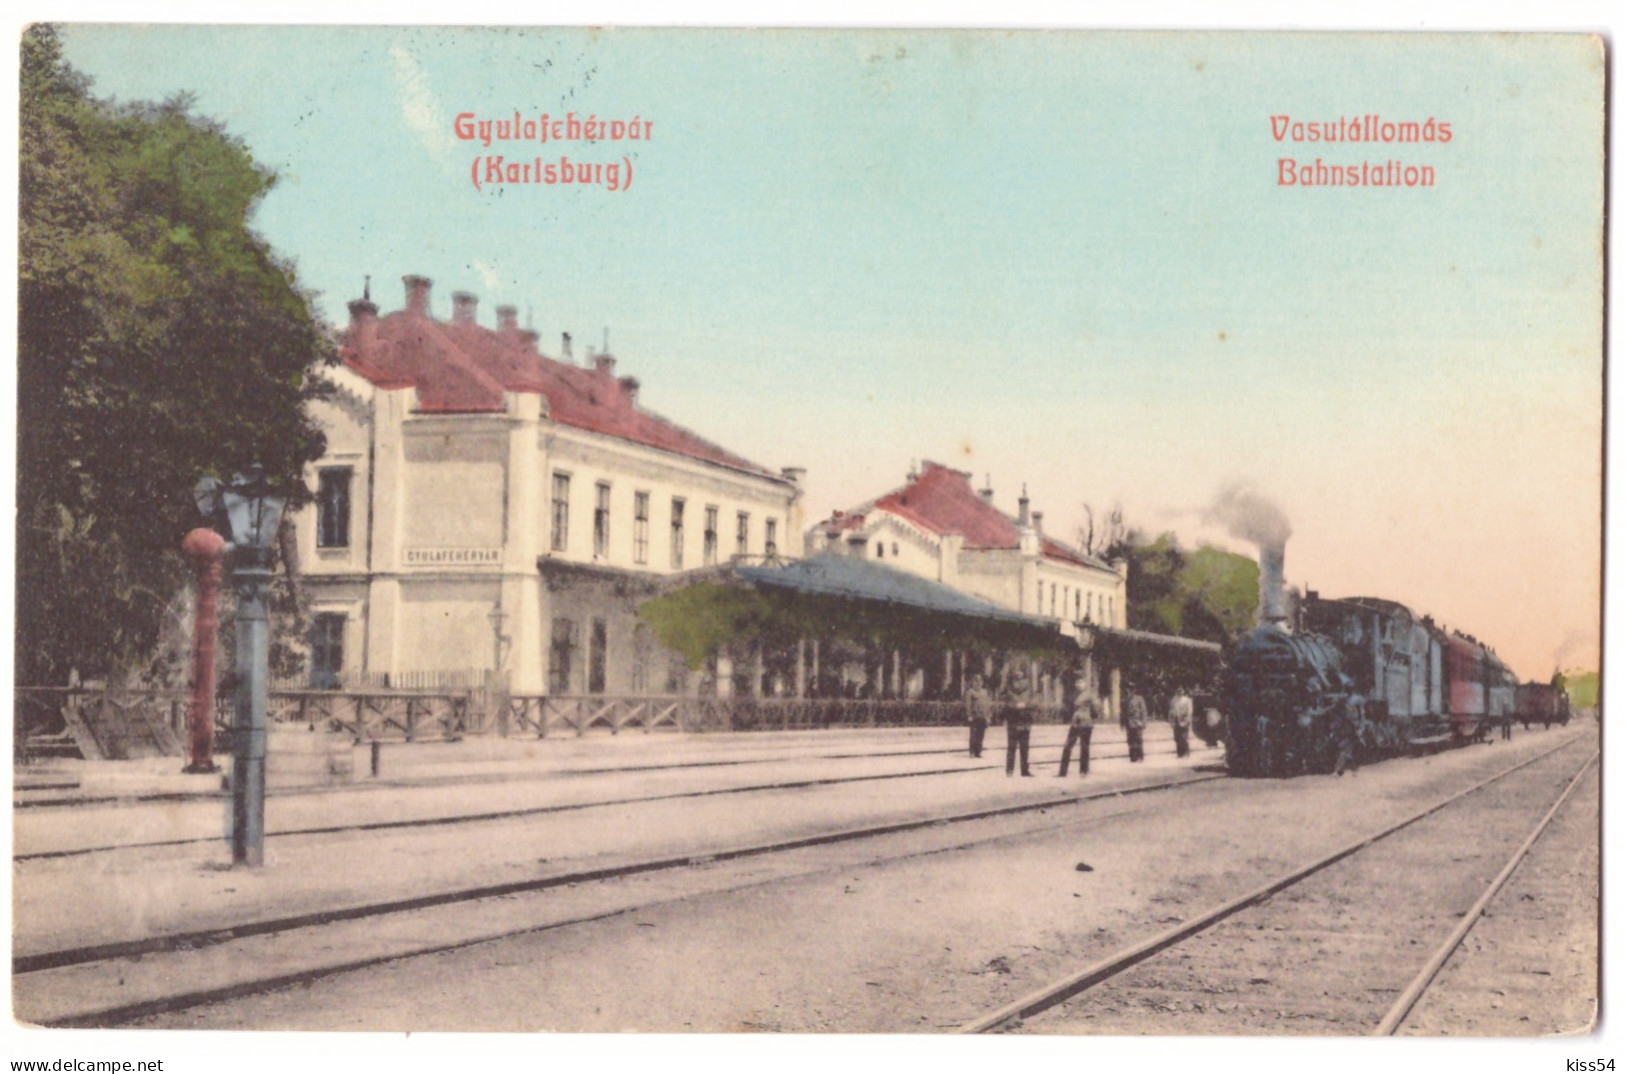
1245, 513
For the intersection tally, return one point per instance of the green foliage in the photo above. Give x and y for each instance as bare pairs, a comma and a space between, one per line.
1221, 593
1155, 602
701, 619
1582, 686
159, 339
1208, 594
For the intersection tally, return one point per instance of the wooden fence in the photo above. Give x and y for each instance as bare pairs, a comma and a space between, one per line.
542, 715
118, 724
113, 725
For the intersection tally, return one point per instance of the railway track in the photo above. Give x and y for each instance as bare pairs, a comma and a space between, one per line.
552, 775
74, 986
489, 816
1115, 965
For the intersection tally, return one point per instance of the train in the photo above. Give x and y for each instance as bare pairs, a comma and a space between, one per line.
1542, 703
1359, 679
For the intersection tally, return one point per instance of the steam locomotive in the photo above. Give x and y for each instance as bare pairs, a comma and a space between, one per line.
1361, 679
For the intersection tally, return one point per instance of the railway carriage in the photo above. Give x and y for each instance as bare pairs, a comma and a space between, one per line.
1542, 703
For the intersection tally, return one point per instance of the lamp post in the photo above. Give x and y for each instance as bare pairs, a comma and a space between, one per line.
204, 547
253, 513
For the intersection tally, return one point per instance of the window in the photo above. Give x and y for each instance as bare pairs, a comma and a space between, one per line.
596, 657
600, 522
333, 508
742, 537
561, 512
676, 534
880, 549
640, 527
561, 656
710, 535
1077, 604
770, 545
1089, 609
326, 650
1052, 598
643, 646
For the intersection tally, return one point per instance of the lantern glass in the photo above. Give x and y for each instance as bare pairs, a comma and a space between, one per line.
254, 516
270, 515
207, 496
251, 510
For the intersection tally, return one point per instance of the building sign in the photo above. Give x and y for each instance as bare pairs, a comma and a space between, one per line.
447, 557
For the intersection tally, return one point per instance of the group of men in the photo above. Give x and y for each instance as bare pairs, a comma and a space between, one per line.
1085, 710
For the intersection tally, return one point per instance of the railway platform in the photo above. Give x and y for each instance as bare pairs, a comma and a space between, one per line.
120, 855
476, 760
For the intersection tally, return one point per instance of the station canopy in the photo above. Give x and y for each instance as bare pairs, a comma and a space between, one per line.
837, 596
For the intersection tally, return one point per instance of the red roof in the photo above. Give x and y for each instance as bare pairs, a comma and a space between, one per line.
940, 500
459, 367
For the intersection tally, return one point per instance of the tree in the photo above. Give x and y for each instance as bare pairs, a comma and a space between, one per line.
1096, 537
1155, 600
1207, 594
1221, 593
159, 339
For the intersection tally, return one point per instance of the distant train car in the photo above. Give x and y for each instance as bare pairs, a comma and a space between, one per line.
1542, 703
1362, 678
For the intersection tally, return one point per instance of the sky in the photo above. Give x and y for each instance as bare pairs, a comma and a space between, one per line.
1063, 260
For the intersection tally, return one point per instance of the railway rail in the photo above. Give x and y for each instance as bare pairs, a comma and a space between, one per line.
488, 816
464, 779
1114, 965
68, 1007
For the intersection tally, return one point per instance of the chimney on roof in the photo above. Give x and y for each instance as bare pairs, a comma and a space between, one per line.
629, 388
564, 349
363, 323
1023, 515
417, 294
986, 491
604, 364
462, 307
508, 318
913, 469
531, 339
1038, 521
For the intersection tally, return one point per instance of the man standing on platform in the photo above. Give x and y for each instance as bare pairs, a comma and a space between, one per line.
1085, 714
1018, 717
978, 707
1179, 715
1135, 717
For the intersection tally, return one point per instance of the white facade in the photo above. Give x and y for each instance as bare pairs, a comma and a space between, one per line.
447, 540
914, 529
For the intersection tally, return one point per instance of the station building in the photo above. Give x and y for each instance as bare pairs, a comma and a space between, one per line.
484, 507
937, 526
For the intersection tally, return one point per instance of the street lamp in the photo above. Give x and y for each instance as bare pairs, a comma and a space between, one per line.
253, 512
204, 548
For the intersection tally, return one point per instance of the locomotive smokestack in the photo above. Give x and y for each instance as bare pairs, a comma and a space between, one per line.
1271, 582
1245, 513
